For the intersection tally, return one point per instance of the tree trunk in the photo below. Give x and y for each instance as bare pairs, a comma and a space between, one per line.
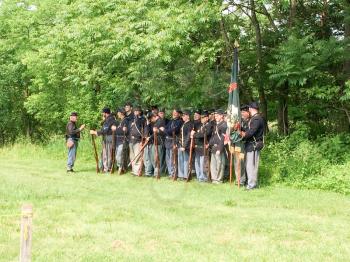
282, 117
258, 41
346, 65
292, 12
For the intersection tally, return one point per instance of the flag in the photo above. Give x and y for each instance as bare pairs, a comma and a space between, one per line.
233, 108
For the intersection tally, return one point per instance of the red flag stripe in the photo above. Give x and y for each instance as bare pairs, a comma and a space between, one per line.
232, 87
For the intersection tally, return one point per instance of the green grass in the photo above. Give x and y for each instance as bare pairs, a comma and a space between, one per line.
89, 217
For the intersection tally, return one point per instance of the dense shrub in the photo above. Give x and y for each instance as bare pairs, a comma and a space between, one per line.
295, 160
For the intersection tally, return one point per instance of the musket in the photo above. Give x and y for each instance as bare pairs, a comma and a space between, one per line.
174, 157
156, 153
113, 152
122, 167
238, 169
190, 160
231, 157
140, 153
206, 154
95, 153
141, 162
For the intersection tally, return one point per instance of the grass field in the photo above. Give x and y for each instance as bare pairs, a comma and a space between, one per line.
89, 217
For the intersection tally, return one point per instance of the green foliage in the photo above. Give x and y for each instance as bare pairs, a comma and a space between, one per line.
304, 163
60, 56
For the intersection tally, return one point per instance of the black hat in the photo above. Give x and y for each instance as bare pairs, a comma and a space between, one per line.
121, 110
219, 111
106, 110
254, 105
178, 110
198, 111
162, 109
150, 114
186, 112
244, 108
137, 108
74, 114
155, 107
128, 104
205, 113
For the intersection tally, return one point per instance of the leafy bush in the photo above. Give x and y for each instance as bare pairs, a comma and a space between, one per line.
322, 163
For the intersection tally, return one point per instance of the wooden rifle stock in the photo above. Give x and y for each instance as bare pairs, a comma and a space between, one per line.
206, 155
190, 160
139, 173
113, 152
231, 160
174, 157
156, 153
140, 153
122, 167
95, 153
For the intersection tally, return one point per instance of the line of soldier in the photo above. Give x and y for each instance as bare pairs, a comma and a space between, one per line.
176, 147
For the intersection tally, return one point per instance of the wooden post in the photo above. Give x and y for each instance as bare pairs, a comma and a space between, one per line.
26, 233
238, 162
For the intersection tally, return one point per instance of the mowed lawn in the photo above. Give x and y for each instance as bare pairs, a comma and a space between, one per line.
89, 217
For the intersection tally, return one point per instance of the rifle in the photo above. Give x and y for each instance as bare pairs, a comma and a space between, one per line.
231, 157
174, 157
122, 167
190, 160
95, 153
156, 153
113, 152
238, 169
142, 160
206, 155
140, 153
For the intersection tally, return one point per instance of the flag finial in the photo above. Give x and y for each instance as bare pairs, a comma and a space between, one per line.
236, 44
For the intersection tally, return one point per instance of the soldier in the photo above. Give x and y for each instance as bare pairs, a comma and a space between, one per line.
201, 135
172, 131
129, 114
106, 133
161, 114
154, 109
218, 157
212, 117
121, 132
244, 126
72, 139
154, 150
136, 130
254, 142
197, 119
184, 145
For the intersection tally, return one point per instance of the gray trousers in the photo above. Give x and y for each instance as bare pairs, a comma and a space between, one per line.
118, 155
182, 163
217, 167
107, 153
252, 168
169, 161
240, 166
72, 154
134, 151
199, 165
151, 168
